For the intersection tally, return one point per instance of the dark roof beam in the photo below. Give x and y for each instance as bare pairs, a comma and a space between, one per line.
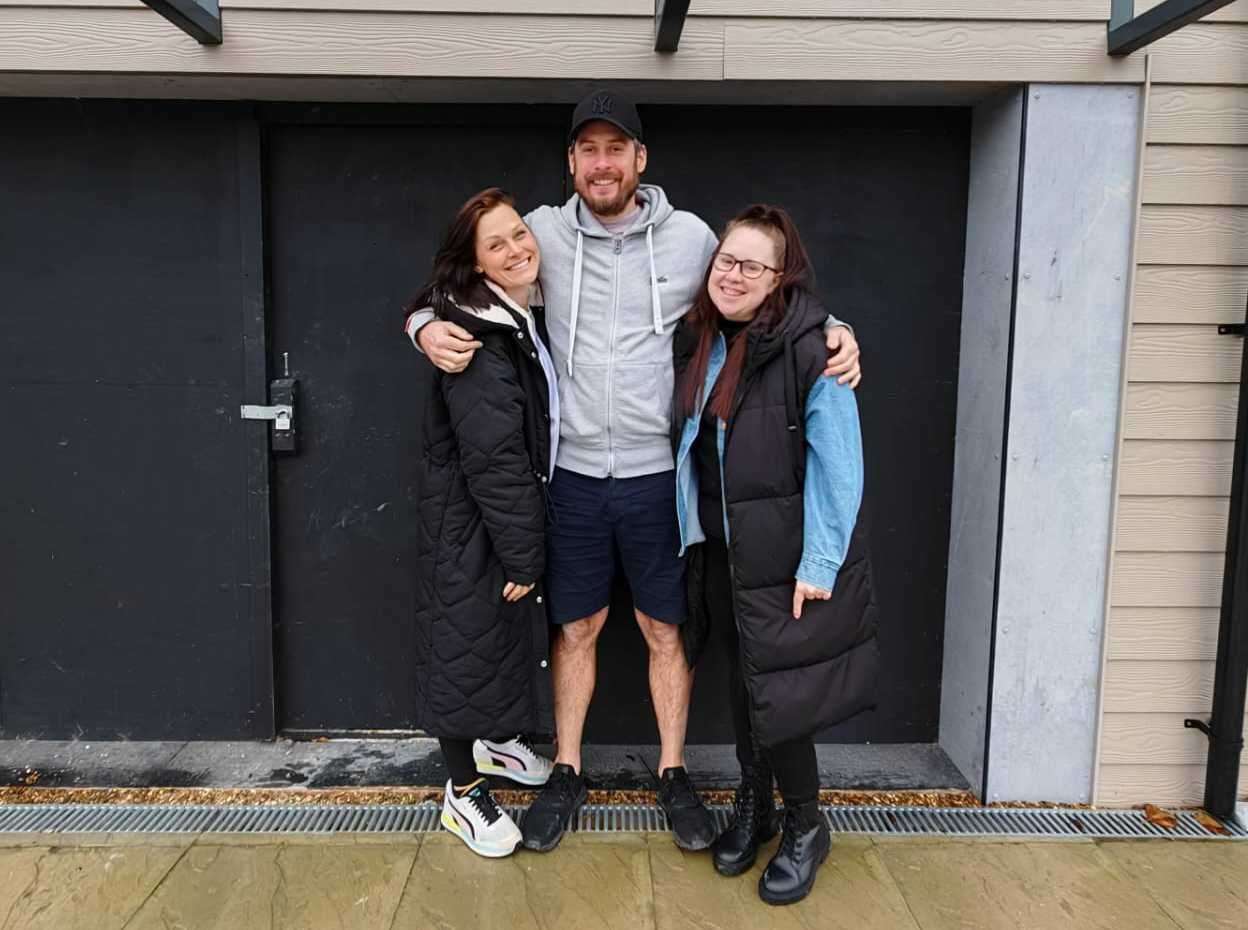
669, 22
1128, 32
199, 19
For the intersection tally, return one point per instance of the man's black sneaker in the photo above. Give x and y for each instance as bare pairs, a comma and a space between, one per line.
692, 824
790, 874
552, 811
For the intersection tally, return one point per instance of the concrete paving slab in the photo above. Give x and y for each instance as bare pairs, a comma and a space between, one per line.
81, 888
1019, 887
1201, 885
590, 882
14, 840
19, 871
279, 887
397, 840
854, 891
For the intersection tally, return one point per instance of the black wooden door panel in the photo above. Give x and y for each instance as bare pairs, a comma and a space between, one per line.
123, 488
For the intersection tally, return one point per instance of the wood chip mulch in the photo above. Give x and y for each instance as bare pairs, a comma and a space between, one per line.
341, 796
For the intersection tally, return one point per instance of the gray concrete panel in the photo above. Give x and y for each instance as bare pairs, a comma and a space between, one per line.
1074, 251
987, 289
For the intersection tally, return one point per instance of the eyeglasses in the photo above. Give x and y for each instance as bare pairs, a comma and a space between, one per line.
749, 268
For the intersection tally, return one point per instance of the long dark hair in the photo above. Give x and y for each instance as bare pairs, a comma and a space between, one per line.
704, 316
454, 277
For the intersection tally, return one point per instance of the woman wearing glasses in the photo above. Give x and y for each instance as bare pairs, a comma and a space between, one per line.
769, 482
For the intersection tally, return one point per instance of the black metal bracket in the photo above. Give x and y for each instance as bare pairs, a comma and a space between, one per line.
1230, 329
1128, 32
199, 19
1193, 724
669, 22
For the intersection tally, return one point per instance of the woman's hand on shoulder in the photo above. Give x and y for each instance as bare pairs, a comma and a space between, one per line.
807, 592
512, 592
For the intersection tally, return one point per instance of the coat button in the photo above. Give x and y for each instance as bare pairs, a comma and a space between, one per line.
539, 598
544, 663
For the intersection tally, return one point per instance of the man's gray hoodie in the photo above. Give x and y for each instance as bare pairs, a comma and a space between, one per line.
612, 302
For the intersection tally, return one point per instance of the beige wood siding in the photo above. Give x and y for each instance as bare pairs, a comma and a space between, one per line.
1179, 421
830, 40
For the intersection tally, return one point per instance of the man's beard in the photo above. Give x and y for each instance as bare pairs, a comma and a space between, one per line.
616, 205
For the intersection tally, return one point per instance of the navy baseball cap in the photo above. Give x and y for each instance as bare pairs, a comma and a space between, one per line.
609, 106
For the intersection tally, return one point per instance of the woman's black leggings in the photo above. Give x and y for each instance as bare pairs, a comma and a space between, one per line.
457, 753
794, 763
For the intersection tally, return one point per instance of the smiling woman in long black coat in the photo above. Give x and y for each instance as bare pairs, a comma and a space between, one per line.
482, 671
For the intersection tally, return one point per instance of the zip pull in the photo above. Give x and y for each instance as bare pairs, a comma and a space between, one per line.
619, 246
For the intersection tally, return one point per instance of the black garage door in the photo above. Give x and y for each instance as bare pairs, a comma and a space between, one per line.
356, 204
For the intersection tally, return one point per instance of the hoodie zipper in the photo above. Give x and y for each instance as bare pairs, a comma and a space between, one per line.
615, 313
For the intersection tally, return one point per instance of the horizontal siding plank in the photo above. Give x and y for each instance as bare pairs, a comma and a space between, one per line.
1152, 739
1196, 174
1172, 524
1202, 53
378, 44
474, 7
1190, 294
1076, 10
1181, 411
1193, 235
1170, 687
1167, 579
1035, 10
879, 50
1167, 785
1163, 633
1167, 352
1192, 115
1191, 467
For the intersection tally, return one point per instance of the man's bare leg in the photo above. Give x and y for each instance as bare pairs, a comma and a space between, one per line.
671, 684
575, 672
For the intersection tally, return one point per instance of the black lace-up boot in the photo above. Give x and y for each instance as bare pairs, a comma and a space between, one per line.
753, 823
791, 873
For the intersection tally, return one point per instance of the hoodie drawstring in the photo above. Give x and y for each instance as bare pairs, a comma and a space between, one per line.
656, 306
576, 295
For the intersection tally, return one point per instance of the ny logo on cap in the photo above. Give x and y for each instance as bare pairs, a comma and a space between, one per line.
602, 104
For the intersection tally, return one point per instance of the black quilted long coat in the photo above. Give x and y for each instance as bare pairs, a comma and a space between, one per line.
483, 663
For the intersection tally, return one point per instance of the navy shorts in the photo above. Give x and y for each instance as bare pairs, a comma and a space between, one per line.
594, 519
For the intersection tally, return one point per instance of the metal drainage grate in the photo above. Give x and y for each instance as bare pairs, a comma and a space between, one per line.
595, 818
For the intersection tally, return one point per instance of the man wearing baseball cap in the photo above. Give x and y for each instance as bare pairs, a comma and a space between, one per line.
620, 267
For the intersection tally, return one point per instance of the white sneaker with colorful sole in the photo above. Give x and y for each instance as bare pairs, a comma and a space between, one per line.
479, 822
514, 759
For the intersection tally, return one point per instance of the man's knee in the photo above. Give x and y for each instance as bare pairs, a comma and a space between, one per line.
662, 638
583, 633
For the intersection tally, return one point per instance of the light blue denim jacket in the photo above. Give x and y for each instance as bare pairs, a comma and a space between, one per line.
833, 490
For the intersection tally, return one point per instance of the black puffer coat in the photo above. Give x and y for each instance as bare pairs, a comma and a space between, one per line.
802, 675
482, 663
